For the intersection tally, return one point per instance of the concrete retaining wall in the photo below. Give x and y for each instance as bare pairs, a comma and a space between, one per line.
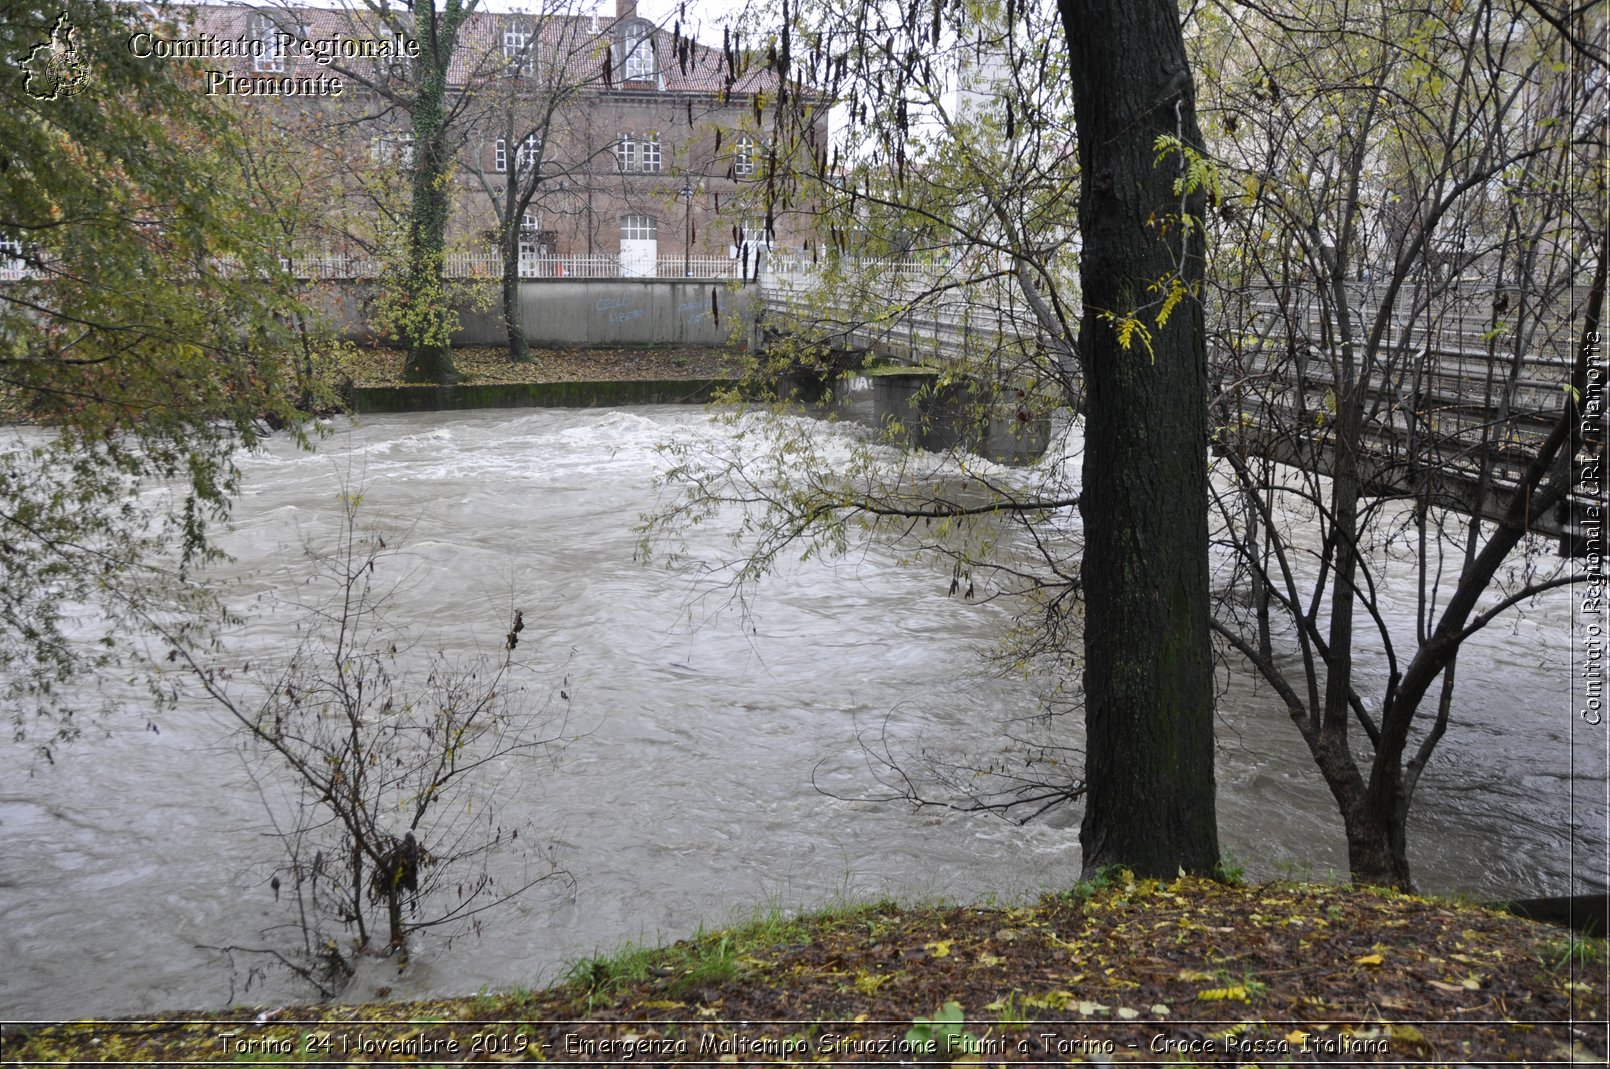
611, 312
940, 417
608, 394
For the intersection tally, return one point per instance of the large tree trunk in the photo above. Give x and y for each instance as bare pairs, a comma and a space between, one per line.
428, 319
519, 347
1378, 846
1148, 660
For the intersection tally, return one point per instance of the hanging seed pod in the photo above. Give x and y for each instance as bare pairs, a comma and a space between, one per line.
787, 51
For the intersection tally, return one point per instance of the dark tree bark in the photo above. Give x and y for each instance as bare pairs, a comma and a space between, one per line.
430, 357
519, 344
1148, 658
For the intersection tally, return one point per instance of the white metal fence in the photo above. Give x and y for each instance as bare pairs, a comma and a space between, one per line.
489, 265
483, 265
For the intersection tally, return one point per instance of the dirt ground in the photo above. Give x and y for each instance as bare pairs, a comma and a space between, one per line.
1123, 972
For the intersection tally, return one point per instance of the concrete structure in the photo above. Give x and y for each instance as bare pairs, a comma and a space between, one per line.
621, 312
608, 313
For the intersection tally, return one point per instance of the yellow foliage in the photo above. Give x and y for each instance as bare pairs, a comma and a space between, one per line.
1213, 994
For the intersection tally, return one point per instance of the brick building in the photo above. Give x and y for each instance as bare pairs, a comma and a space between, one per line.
610, 140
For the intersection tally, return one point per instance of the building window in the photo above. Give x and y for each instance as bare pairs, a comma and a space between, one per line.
393, 69
752, 233
393, 148
639, 228
743, 158
520, 51
651, 152
639, 47
12, 264
524, 159
626, 154
269, 50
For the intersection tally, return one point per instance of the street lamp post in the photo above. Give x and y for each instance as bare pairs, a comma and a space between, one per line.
687, 227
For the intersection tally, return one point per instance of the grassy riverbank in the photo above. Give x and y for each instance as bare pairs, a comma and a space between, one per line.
1192, 972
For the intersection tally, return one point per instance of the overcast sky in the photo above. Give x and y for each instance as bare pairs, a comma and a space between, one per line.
703, 15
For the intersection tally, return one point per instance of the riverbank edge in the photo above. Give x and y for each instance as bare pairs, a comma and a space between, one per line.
370, 380
607, 393
1123, 969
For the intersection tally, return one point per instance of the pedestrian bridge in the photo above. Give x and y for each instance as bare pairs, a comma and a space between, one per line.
1463, 382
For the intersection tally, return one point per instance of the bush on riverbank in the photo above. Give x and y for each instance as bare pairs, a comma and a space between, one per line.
1191, 971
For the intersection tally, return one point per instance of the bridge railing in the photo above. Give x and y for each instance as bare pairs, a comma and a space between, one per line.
916, 310
1455, 387
1460, 391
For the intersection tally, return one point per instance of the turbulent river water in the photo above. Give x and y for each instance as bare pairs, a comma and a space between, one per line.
690, 799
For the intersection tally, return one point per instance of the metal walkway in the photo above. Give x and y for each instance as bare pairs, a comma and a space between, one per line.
1462, 384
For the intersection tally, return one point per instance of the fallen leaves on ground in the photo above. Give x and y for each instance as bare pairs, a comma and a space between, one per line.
488, 364
1191, 971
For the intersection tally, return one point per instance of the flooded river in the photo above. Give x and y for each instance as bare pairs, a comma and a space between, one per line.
690, 799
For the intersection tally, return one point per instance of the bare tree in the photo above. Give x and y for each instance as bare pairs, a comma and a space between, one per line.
424, 99
551, 60
1402, 220
386, 770
1404, 205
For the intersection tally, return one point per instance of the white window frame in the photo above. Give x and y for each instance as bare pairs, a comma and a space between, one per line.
519, 51
743, 157
650, 155
640, 228
637, 63
626, 154
13, 264
525, 157
753, 235
271, 59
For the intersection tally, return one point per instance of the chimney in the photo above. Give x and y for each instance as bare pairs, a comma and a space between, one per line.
626, 9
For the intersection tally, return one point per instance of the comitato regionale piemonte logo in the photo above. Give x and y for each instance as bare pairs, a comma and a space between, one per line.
54, 68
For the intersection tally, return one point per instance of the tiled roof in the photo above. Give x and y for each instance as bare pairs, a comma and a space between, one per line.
582, 46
